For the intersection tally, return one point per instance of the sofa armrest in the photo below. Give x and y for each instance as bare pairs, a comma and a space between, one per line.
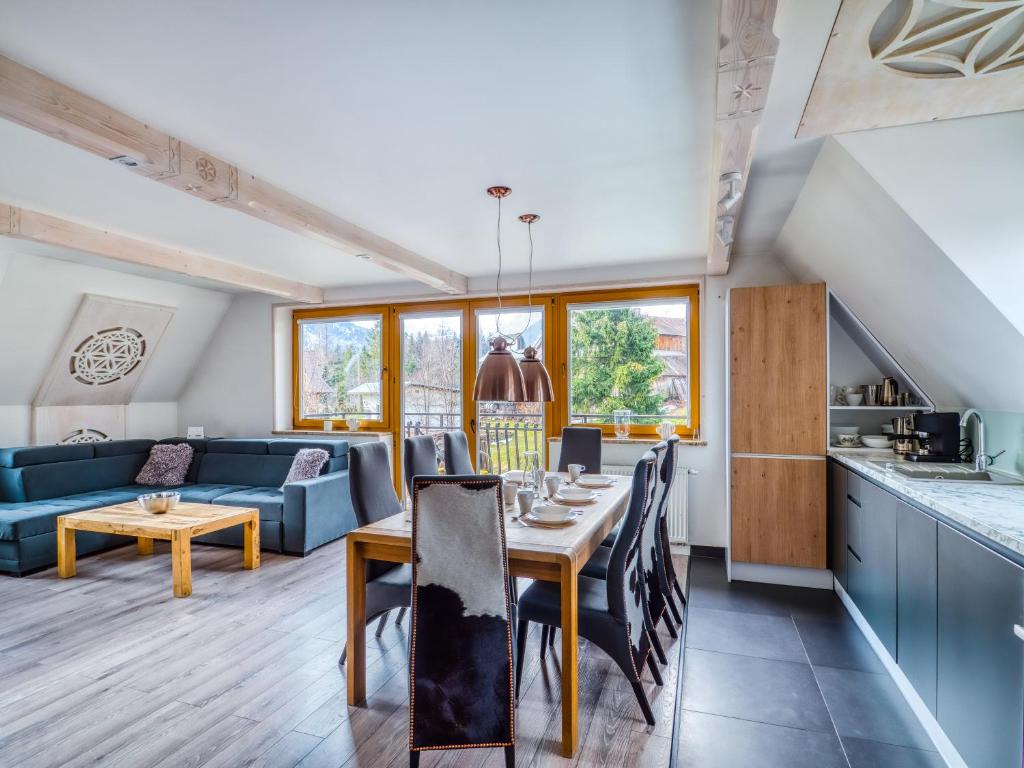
316, 511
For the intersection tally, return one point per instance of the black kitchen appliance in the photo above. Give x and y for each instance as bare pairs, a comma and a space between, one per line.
937, 437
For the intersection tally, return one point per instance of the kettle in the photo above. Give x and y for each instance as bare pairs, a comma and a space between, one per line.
890, 391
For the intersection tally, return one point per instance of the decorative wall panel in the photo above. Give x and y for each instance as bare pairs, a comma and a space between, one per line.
67, 424
897, 62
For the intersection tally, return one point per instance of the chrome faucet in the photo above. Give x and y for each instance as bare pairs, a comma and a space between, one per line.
980, 459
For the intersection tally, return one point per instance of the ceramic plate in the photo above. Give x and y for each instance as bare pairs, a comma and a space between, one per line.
595, 481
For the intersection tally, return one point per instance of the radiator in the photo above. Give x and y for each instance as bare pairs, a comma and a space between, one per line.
678, 505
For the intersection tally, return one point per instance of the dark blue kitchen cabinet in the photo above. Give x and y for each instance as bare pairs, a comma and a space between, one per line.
916, 599
871, 565
837, 521
980, 679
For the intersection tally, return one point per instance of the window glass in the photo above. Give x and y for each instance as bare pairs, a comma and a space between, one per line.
629, 355
340, 368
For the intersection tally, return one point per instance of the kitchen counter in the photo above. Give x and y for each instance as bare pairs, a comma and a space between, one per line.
992, 510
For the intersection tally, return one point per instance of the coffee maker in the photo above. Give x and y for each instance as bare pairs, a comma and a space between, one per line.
936, 437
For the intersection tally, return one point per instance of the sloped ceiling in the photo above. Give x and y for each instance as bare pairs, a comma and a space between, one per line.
848, 230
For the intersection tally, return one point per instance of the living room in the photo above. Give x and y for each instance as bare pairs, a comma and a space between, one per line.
389, 383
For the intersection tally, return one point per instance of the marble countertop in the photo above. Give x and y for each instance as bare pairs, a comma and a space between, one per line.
993, 510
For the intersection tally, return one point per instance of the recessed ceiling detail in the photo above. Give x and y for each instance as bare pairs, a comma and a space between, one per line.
107, 356
950, 38
899, 62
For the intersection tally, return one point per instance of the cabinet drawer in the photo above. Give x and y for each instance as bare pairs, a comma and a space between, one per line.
854, 527
854, 484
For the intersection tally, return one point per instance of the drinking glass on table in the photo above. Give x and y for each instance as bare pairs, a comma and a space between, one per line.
525, 497
551, 485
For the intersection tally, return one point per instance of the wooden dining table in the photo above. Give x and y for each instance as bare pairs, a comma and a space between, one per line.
547, 554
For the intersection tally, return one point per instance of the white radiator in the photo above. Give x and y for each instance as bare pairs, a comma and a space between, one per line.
678, 505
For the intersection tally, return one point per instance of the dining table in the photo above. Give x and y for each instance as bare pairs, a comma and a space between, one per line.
534, 552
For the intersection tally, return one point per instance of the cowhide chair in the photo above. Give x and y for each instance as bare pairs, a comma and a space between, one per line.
461, 662
456, 454
580, 445
668, 581
419, 458
612, 611
388, 585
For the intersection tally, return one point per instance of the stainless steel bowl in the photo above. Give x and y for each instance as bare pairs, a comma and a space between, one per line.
160, 502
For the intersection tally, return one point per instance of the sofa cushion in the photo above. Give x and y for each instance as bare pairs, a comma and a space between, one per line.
291, 446
66, 478
307, 464
28, 455
269, 501
18, 521
244, 469
205, 493
233, 445
167, 465
122, 447
198, 451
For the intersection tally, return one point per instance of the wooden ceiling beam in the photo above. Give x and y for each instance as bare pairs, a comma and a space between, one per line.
745, 63
23, 224
38, 102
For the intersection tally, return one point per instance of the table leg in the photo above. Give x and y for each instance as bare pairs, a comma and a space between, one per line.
181, 563
144, 545
355, 669
570, 672
252, 542
65, 550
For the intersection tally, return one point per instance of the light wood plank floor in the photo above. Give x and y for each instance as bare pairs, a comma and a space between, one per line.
107, 669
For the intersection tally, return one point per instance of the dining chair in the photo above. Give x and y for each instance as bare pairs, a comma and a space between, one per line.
419, 458
461, 662
580, 445
668, 580
456, 454
388, 585
611, 611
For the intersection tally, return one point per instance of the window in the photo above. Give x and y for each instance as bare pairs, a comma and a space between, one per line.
636, 349
339, 367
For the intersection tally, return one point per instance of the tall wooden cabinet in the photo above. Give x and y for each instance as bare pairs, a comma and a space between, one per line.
778, 433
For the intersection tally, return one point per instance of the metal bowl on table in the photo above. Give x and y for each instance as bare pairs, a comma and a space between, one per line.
160, 502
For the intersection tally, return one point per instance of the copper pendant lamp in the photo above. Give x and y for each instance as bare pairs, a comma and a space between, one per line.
535, 375
499, 377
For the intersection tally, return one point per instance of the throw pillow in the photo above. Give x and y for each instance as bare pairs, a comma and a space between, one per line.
167, 465
306, 465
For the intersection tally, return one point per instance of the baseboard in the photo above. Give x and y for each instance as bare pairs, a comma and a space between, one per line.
699, 550
812, 578
920, 709
679, 549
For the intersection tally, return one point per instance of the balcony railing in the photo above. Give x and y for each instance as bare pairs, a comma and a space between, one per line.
503, 439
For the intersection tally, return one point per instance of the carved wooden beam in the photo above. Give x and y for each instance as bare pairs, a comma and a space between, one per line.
38, 102
39, 227
745, 63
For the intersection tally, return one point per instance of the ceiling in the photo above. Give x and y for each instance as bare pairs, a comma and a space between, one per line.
395, 116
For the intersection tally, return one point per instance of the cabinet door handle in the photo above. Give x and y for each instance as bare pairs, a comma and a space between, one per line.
850, 550
1018, 630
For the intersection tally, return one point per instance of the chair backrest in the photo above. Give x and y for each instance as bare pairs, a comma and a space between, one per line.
650, 558
626, 600
580, 445
456, 454
420, 455
370, 483
461, 690
669, 478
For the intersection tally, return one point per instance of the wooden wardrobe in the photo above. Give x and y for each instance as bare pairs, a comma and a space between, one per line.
778, 424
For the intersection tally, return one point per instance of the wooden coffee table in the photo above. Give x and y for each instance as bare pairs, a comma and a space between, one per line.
177, 526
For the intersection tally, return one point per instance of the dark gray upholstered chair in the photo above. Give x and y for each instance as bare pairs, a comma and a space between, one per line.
456, 454
667, 579
461, 663
580, 445
611, 610
420, 458
388, 585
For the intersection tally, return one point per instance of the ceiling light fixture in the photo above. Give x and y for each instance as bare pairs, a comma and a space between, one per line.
535, 375
734, 193
499, 377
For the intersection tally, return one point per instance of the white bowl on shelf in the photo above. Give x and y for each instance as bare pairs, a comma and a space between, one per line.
838, 429
876, 441
854, 398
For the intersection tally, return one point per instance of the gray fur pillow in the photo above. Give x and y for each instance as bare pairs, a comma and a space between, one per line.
167, 465
306, 465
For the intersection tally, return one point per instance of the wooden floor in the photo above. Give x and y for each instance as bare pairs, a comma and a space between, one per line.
108, 669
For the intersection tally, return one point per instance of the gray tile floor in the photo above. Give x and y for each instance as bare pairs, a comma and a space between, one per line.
781, 676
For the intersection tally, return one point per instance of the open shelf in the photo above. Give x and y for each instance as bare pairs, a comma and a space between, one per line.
919, 407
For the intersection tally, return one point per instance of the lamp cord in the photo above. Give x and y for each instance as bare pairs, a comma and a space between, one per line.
497, 283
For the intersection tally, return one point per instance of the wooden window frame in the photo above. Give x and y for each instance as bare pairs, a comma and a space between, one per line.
556, 357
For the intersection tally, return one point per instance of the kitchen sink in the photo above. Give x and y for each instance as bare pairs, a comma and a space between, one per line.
955, 473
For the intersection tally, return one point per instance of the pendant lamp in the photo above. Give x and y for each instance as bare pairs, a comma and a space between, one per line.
535, 375
499, 377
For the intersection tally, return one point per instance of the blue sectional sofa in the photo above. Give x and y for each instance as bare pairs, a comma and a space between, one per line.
39, 483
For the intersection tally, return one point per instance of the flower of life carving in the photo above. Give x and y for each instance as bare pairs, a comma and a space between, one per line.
107, 356
84, 436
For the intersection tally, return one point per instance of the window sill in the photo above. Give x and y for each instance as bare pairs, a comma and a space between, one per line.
640, 441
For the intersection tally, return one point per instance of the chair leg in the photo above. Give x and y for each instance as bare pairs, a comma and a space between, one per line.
344, 655
679, 591
656, 645
551, 636
510, 757
414, 759
670, 627
401, 615
645, 706
654, 670
544, 641
381, 623
521, 632
671, 600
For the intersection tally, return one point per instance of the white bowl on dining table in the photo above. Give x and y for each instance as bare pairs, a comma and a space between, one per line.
575, 494
552, 513
595, 481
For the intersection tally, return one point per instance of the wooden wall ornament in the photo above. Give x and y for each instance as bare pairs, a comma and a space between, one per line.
746, 60
899, 62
